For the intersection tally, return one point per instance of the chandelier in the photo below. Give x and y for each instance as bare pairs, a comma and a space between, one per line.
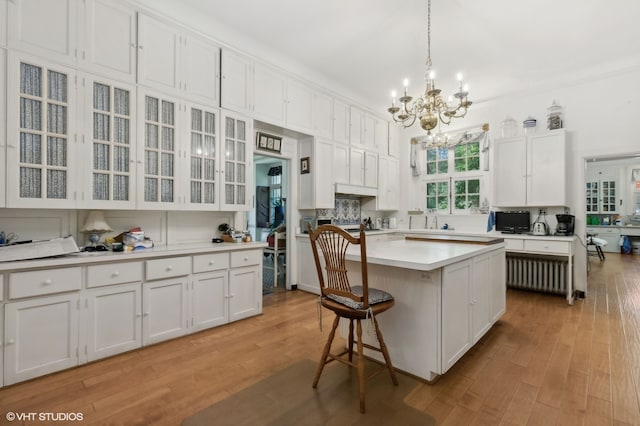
431, 108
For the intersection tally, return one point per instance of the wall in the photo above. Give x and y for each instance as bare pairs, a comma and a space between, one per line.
599, 115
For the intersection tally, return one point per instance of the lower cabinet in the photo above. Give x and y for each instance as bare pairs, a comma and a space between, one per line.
41, 336
164, 307
112, 320
245, 292
210, 305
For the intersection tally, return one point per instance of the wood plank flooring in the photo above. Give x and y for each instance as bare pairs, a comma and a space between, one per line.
543, 363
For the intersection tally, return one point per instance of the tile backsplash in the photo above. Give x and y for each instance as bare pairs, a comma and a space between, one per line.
346, 211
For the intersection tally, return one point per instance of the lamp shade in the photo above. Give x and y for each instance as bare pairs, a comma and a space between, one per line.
95, 222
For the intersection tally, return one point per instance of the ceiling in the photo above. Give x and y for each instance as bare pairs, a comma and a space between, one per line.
368, 46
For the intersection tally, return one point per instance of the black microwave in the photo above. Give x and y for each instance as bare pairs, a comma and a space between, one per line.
513, 222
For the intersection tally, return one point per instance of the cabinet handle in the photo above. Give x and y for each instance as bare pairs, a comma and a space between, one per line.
146, 314
246, 259
115, 274
47, 281
169, 268
138, 315
212, 262
10, 342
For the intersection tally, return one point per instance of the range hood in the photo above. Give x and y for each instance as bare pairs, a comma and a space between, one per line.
357, 190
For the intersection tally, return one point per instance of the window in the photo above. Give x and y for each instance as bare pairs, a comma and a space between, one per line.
438, 195
466, 194
467, 157
437, 161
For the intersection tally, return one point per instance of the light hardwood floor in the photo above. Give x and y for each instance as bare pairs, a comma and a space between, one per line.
543, 363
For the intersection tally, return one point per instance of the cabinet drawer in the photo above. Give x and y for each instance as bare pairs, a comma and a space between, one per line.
48, 281
168, 267
210, 262
245, 258
609, 231
114, 273
545, 246
513, 244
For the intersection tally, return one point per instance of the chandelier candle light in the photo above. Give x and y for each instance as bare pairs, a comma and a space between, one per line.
430, 108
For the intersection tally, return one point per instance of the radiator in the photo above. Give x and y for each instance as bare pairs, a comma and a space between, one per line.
539, 273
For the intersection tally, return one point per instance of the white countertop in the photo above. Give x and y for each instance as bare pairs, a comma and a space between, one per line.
419, 255
108, 256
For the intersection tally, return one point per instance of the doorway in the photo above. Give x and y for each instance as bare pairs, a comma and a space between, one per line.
269, 218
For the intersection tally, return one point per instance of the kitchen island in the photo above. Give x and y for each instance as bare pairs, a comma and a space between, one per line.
447, 294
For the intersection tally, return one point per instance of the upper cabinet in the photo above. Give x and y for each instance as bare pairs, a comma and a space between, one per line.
236, 88
3, 22
47, 29
269, 95
3, 124
341, 129
368, 131
299, 106
109, 175
236, 168
530, 170
41, 134
109, 42
176, 62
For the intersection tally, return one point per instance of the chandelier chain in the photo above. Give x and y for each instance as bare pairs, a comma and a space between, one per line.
428, 37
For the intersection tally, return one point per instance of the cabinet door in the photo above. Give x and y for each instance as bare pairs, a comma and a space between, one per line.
245, 292
456, 335
608, 201
3, 122
209, 304
395, 131
369, 132
164, 310
158, 54
356, 127
109, 126
203, 158
340, 163
381, 136
341, 128
269, 95
41, 131
113, 320
110, 40
237, 170
497, 280
546, 170
510, 172
324, 183
200, 70
299, 106
481, 295
307, 272
593, 197
28, 18
236, 89
371, 169
3, 22
41, 336
356, 166
388, 190
322, 115
157, 150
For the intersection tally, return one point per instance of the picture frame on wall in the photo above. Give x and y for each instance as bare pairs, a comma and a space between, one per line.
267, 142
305, 166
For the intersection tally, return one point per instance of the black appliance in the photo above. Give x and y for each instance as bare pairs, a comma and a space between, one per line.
566, 224
513, 222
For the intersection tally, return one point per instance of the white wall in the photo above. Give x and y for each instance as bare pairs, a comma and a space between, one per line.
600, 116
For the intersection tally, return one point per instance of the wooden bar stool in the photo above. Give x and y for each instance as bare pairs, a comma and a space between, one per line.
357, 303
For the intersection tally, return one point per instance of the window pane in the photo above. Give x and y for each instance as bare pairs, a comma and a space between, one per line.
431, 154
443, 166
473, 186
460, 164
474, 163
460, 186
431, 168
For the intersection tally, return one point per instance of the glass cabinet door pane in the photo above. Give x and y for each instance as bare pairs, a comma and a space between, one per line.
56, 184
228, 194
202, 154
31, 80
159, 150
30, 182
100, 186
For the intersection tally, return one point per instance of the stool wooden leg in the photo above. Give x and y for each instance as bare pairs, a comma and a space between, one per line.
350, 340
600, 252
360, 366
325, 351
385, 353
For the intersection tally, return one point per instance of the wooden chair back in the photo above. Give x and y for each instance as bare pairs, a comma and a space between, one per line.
333, 242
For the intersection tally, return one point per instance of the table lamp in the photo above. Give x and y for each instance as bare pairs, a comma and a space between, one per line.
95, 225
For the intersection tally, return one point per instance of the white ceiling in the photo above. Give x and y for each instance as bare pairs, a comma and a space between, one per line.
369, 46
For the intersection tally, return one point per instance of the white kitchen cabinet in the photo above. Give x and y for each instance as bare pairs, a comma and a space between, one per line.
164, 309
316, 188
371, 169
299, 106
357, 135
172, 60
236, 168
602, 196
341, 128
3, 22
497, 285
109, 176
322, 115
245, 292
113, 320
531, 170
341, 163
28, 18
368, 131
109, 42
204, 154
611, 236
395, 133
363, 168
209, 302
381, 136
157, 150
236, 89
388, 183
41, 336
307, 273
3, 123
41, 134
269, 95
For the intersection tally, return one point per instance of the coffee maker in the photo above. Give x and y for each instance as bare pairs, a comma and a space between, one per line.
566, 224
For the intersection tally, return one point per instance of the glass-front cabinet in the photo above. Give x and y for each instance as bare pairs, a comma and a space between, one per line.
203, 158
601, 196
158, 151
110, 115
41, 128
237, 172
